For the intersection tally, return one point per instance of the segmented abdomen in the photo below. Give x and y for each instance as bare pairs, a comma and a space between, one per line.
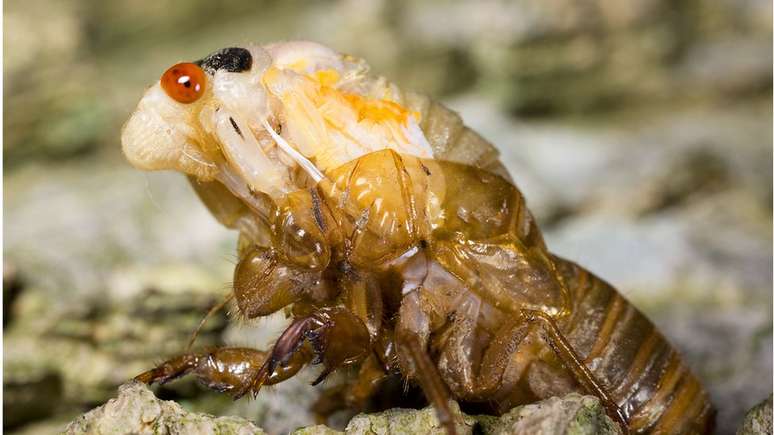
640, 369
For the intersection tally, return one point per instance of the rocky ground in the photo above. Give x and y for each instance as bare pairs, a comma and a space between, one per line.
640, 135
137, 411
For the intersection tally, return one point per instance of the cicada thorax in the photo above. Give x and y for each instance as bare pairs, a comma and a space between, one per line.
373, 210
384, 204
325, 243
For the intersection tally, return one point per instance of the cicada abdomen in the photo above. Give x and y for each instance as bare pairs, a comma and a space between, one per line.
642, 371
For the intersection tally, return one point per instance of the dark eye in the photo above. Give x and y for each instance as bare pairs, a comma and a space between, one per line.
184, 82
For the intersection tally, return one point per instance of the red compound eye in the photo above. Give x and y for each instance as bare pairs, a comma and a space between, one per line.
184, 82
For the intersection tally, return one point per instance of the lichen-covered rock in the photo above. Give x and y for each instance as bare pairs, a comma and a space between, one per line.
319, 429
407, 421
571, 415
93, 349
758, 420
137, 411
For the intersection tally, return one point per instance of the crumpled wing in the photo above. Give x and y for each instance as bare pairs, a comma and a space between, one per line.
490, 241
450, 138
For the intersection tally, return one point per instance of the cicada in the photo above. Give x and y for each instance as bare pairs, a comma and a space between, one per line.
397, 242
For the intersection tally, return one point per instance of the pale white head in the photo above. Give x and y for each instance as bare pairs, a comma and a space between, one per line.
268, 118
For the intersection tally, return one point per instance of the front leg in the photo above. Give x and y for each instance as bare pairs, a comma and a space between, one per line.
269, 278
331, 336
227, 369
353, 395
265, 282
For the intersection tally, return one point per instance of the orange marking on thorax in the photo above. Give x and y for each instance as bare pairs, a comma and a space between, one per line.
377, 111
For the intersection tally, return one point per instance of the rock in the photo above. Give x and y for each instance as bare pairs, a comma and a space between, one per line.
573, 414
137, 411
758, 420
95, 348
407, 421
319, 429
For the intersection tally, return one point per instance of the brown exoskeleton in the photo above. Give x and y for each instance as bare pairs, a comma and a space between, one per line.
397, 242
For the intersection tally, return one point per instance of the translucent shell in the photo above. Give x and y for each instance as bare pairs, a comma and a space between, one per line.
184, 82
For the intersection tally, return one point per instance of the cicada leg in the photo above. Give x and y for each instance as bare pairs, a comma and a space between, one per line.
226, 369
332, 336
411, 337
352, 395
370, 376
570, 359
330, 401
264, 283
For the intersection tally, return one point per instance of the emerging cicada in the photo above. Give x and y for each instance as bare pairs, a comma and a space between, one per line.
394, 237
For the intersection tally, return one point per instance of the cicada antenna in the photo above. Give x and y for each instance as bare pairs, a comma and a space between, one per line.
206, 317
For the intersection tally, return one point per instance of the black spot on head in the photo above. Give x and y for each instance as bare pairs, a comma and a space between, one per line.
232, 59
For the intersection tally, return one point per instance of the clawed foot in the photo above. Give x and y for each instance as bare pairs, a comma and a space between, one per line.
330, 336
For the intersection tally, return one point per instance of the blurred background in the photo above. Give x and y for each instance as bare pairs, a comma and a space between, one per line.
640, 132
